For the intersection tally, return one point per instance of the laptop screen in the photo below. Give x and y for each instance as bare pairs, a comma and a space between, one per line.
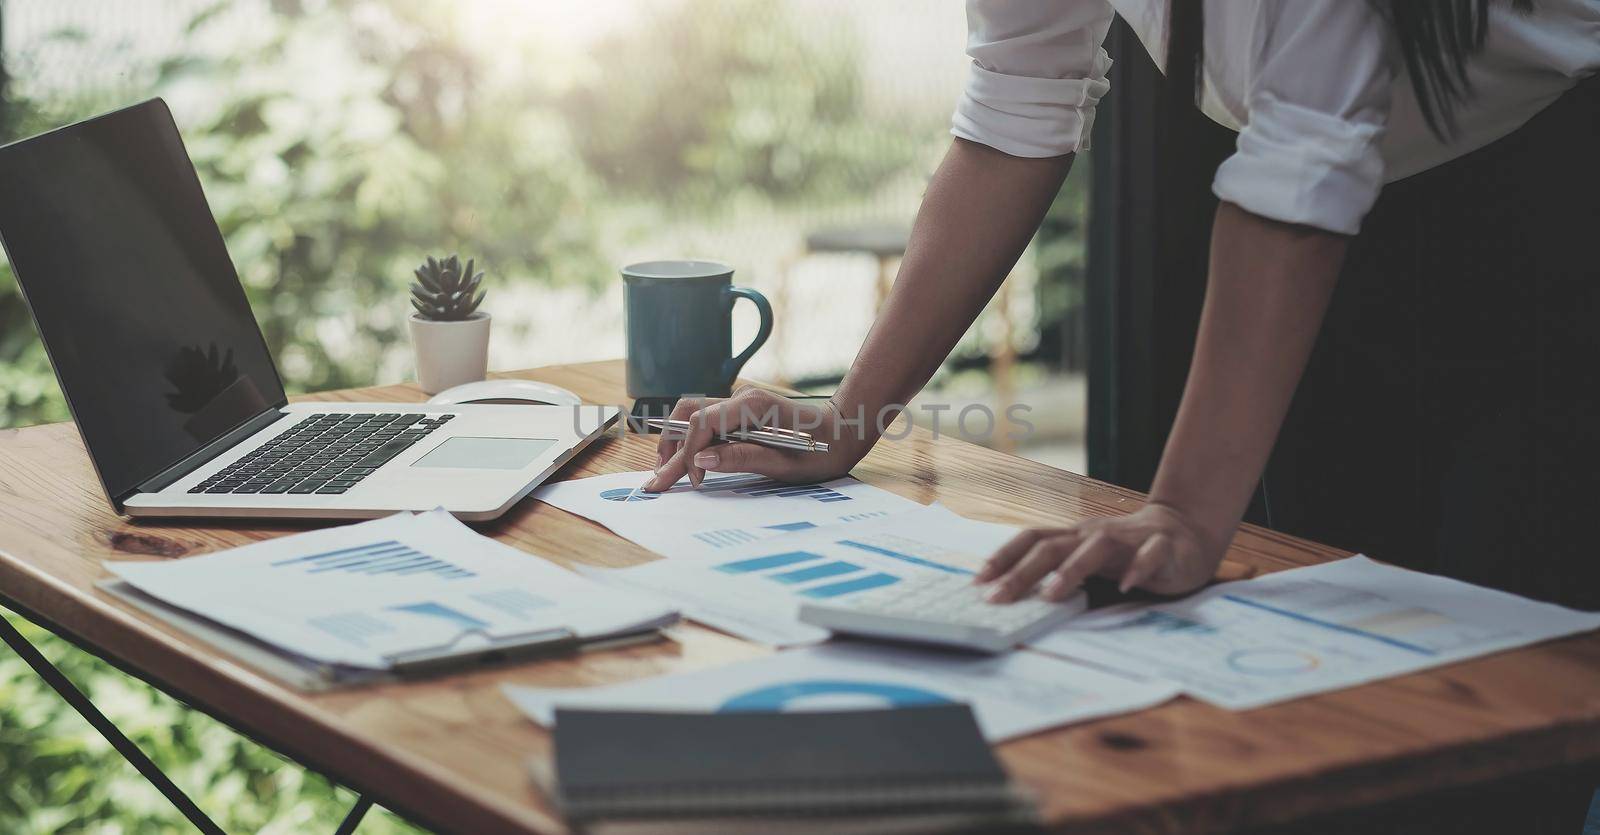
132, 290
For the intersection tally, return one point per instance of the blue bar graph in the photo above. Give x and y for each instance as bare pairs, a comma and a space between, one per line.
793, 491
728, 482
359, 556
354, 627
790, 527
725, 537
764, 563
784, 490
871, 581
443, 612
914, 560
816, 572
758, 487
514, 602
377, 558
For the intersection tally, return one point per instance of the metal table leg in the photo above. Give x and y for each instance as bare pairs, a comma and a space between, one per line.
129, 751
352, 820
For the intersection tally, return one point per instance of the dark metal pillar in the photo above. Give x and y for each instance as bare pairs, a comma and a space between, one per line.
4, 78
1150, 212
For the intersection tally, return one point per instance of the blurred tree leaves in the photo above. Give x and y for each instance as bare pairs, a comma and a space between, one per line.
354, 139
339, 143
349, 138
1059, 255
687, 111
62, 777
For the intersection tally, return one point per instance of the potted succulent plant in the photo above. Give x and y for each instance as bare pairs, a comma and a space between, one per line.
448, 332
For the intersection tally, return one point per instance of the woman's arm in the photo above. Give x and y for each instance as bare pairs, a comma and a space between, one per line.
1268, 289
981, 209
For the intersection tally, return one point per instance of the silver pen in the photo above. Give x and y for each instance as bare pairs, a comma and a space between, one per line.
773, 436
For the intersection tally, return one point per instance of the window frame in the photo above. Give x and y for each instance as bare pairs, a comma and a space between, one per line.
1150, 210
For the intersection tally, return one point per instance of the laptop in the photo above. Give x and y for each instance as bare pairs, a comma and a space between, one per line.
168, 376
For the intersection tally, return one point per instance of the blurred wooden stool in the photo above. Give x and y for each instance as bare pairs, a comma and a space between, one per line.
886, 244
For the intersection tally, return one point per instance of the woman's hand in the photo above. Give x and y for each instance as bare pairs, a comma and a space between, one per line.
751, 408
1268, 287
1157, 548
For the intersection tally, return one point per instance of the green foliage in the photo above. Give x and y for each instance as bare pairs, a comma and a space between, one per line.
688, 112
62, 777
1059, 251
337, 144
352, 134
356, 134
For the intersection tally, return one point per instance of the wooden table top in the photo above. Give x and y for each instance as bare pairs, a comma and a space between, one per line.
450, 753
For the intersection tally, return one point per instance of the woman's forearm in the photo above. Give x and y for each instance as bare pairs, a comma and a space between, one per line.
1268, 289
981, 209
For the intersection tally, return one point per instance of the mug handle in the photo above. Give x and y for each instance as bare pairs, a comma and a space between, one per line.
730, 369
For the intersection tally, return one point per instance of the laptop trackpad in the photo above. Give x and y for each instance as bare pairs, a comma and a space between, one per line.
485, 453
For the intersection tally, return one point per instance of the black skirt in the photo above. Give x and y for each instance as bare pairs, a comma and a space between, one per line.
1449, 419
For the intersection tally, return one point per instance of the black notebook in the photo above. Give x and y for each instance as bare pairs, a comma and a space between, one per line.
919, 759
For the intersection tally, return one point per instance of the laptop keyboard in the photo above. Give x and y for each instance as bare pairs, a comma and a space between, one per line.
325, 453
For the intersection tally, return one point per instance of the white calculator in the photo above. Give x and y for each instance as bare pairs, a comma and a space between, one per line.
941, 608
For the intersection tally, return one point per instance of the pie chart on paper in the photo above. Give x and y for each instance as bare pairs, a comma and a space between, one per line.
831, 695
624, 494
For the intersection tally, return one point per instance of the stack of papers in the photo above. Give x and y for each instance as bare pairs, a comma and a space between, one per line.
747, 552
367, 596
1236, 645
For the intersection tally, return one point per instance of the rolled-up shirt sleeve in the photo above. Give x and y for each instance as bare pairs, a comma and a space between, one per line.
1037, 72
1318, 103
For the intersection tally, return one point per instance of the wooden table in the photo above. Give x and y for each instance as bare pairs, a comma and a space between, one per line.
450, 753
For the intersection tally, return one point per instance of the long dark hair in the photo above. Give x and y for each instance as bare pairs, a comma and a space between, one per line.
1435, 38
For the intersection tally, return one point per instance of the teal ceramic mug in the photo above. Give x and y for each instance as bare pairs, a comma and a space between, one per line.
679, 320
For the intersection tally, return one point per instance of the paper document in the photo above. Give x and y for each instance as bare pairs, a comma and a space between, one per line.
1011, 695
725, 513
755, 591
1309, 630
361, 594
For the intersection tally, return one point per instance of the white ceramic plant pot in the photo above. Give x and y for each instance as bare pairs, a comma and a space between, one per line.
450, 353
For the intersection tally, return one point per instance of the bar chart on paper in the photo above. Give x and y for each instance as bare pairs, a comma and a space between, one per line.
842, 577
729, 537
495, 607
362, 594
754, 487
389, 557
759, 487
755, 590
848, 566
723, 513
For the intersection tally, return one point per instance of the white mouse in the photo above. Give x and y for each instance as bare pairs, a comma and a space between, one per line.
512, 392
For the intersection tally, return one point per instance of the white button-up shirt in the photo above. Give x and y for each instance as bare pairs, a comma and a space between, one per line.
1316, 88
